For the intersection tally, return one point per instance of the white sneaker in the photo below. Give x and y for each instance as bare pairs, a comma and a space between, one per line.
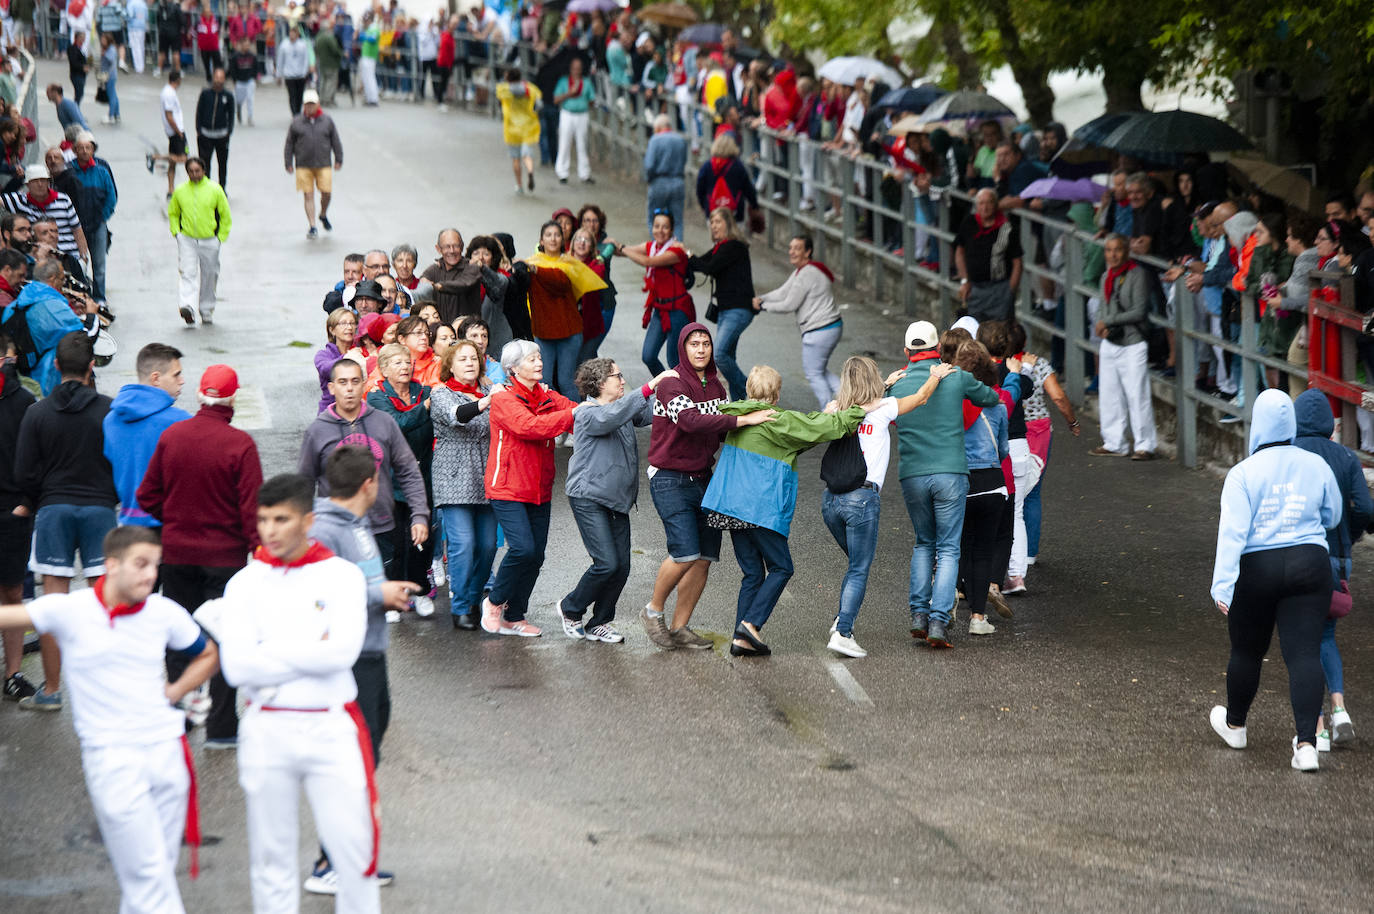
835, 625
607, 633
847, 646
443, 108
571, 627
437, 569
1236, 739
980, 627
1323, 742
1305, 757
424, 606
1342, 730
393, 616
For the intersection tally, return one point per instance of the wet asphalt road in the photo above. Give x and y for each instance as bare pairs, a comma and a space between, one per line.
1063, 764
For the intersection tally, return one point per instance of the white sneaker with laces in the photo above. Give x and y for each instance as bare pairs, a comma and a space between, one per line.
1234, 738
846, 645
1323, 742
393, 616
1342, 730
571, 627
424, 606
980, 627
1305, 757
437, 569
607, 633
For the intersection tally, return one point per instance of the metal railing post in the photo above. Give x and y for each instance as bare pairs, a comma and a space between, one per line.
1075, 318
1252, 372
946, 303
794, 185
908, 236
847, 219
1185, 409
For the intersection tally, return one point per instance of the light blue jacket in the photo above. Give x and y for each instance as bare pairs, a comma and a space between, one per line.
985, 451
1279, 496
137, 418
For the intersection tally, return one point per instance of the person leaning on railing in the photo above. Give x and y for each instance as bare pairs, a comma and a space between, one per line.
1123, 360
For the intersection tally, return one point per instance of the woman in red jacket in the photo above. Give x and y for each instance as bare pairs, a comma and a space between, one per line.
207, 41
525, 418
443, 63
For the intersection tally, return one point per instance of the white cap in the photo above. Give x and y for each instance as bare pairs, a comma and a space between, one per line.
310, 97
36, 173
920, 335
969, 323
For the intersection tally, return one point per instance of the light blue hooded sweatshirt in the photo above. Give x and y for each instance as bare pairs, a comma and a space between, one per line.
1279, 496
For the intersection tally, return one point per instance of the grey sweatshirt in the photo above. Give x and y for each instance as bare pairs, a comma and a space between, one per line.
809, 292
604, 466
1128, 306
380, 434
348, 536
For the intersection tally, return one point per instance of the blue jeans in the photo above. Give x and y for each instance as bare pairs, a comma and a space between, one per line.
61, 531
1032, 509
527, 533
548, 132
729, 327
816, 348
669, 194
99, 243
1332, 667
114, 97
766, 565
560, 364
471, 534
935, 504
606, 534
655, 338
852, 518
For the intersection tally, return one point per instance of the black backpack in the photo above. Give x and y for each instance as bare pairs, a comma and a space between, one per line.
843, 468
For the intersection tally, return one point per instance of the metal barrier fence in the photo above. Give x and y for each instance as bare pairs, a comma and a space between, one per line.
28, 107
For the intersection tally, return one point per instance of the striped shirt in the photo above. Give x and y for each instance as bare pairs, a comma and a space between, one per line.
60, 210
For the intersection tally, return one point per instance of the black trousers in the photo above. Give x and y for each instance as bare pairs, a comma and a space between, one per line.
441, 78
403, 561
1289, 588
211, 61
978, 547
374, 697
295, 90
219, 149
192, 585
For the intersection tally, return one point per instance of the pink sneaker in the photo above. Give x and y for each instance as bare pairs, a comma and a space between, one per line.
1014, 585
491, 616
522, 628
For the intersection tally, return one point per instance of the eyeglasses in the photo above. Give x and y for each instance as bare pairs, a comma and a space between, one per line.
616, 375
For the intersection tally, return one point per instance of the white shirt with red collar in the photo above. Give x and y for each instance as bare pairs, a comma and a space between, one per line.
113, 662
290, 634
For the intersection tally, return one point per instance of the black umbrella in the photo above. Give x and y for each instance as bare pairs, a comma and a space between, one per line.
702, 33
912, 98
1096, 130
1084, 155
1172, 133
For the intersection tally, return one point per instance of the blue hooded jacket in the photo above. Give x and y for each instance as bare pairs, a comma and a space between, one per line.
136, 420
1279, 496
1315, 426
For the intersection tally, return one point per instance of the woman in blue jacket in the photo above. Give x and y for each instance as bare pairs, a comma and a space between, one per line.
1272, 568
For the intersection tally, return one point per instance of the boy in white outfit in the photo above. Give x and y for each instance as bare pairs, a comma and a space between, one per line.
290, 627
114, 637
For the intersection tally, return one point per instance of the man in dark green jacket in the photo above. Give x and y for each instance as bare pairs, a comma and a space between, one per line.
934, 475
328, 60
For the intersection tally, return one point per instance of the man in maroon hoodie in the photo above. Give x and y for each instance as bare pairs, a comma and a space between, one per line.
687, 431
202, 484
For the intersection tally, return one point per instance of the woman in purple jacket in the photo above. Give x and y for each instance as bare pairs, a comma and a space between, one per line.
341, 327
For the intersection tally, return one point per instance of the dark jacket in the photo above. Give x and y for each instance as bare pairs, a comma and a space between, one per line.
14, 402
414, 422
380, 434
95, 194
461, 294
310, 141
688, 425
1315, 426
60, 456
215, 112
202, 483
736, 178
732, 277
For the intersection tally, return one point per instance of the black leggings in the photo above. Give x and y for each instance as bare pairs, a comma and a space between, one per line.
295, 93
208, 148
1290, 587
978, 547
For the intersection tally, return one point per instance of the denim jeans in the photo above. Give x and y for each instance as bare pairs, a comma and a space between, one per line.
816, 348
853, 520
471, 534
1332, 668
560, 364
114, 96
548, 133
729, 327
669, 194
1033, 510
655, 338
606, 534
527, 533
766, 565
98, 241
935, 504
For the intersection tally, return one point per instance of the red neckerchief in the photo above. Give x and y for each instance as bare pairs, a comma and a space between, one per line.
998, 221
87, 166
410, 283
574, 88
5, 286
820, 266
1113, 275
458, 386
114, 612
315, 116
401, 405
43, 204
924, 355
313, 553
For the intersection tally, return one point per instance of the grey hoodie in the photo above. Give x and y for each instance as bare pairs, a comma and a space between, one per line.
347, 535
604, 467
380, 434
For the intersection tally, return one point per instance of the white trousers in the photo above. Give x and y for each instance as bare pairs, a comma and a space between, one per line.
367, 69
572, 125
138, 43
243, 99
198, 264
140, 795
809, 153
1123, 390
1026, 469
279, 753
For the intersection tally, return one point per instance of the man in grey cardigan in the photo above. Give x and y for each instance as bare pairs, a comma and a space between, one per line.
349, 421
1123, 369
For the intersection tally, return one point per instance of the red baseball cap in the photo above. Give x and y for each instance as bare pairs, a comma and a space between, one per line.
219, 381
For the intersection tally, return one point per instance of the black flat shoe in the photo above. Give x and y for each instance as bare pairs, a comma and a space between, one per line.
737, 651
759, 649
465, 621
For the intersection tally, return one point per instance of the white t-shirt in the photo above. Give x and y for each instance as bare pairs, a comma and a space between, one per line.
171, 103
116, 673
875, 441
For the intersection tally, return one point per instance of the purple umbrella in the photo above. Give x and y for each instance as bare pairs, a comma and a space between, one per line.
1082, 190
593, 6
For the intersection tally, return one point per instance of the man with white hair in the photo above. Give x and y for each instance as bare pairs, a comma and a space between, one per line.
665, 158
95, 204
987, 257
202, 485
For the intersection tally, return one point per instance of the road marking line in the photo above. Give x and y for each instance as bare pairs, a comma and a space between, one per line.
848, 684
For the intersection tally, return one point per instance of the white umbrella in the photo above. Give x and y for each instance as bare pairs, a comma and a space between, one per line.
849, 70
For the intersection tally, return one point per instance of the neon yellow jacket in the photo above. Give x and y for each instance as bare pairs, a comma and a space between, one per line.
199, 209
